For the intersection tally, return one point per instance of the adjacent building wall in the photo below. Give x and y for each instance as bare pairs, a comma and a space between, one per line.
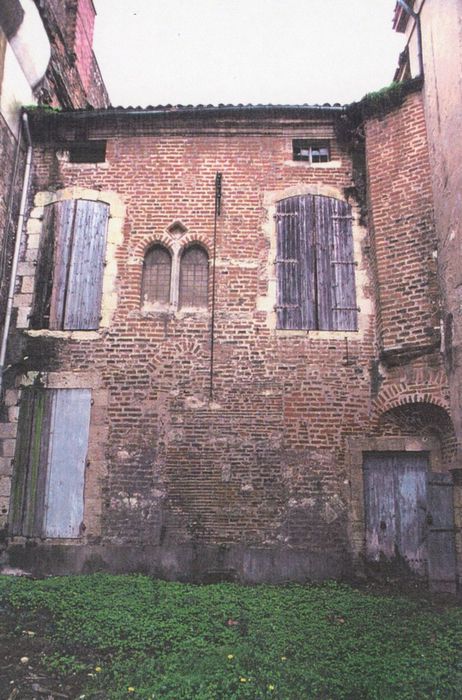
46, 57
441, 22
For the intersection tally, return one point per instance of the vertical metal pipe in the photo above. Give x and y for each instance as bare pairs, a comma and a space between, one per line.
17, 247
214, 258
3, 253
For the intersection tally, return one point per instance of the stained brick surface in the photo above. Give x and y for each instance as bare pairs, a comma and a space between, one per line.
266, 463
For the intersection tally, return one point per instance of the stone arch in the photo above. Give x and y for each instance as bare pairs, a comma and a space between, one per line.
428, 388
422, 419
195, 239
144, 246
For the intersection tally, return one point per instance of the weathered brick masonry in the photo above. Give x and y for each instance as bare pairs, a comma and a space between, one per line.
264, 481
73, 78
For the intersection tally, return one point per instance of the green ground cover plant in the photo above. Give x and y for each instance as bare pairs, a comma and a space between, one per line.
133, 636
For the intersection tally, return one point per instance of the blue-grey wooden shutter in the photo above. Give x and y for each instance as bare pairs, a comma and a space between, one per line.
294, 262
335, 276
85, 284
80, 233
441, 536
69, 428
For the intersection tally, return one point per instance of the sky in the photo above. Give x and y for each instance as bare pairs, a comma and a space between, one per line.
244, 51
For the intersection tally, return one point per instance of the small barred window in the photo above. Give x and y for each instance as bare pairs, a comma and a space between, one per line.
311, 151
194, 275
156, 276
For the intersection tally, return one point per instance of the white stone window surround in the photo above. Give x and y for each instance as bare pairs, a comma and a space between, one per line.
23, 300
320, 135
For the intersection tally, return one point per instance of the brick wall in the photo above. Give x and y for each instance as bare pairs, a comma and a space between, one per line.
260, 464
84, 29
265, 465
403, 230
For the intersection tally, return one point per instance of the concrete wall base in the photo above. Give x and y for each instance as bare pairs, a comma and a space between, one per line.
188, 562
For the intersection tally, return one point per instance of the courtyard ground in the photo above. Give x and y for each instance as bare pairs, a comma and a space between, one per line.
103, 636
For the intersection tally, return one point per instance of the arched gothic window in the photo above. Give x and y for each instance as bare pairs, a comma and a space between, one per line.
194, 276
157, 268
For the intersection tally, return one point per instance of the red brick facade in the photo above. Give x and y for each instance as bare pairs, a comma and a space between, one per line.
404, 240
262, 482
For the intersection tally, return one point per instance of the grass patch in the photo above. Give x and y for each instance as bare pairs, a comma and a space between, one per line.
144, 638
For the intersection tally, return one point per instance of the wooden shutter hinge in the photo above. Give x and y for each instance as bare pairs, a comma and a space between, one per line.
349, 217
344, 262
280, 261
280, 215
286, 306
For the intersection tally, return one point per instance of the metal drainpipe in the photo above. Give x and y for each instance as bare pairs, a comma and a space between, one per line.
9, 209
17, 247
416, 17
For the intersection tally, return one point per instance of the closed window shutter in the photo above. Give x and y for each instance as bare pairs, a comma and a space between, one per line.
344, 309
44, 271
80, 244
51, 448
324, 207
294, 264
63, 242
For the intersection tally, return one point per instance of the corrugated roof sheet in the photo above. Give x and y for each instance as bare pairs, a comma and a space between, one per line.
200, 108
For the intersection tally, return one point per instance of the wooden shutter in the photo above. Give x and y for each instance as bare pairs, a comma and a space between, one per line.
80, 244
69, 428
63, 242
336, 292
28, 487
294, 262
441, 536
44, 271
49, 464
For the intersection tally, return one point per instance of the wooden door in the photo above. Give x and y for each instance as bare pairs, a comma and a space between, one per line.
395, 486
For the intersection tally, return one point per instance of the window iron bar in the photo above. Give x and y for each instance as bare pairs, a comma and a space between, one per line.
345, 308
